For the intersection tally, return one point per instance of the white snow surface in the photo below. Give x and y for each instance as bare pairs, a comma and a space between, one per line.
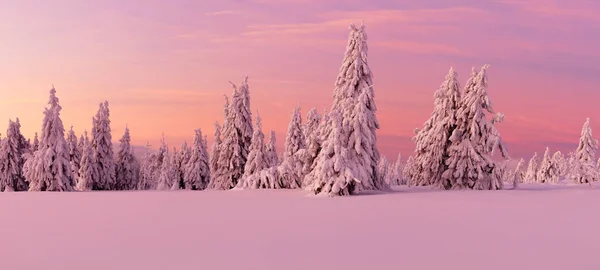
538, 226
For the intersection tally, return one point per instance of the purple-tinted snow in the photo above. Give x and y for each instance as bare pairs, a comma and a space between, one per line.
536, 227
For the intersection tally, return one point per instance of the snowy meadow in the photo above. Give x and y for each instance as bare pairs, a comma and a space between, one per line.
454, 198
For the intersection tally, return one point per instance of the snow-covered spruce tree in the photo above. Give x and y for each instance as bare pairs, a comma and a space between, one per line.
36, 143
395, 174
215, 150
560, 165
333, 174
407, 171
518, 174
474, 141
432, 141
383, 170
146, 177
127, 167
546, 172
271, 151
49, 169
585, 156
182, 157
168, 172
237, 138
196, 170
87, 170
103, 149
293, 152
354, 104
257, 157
74, 152
12, 149
313, 120
532, 169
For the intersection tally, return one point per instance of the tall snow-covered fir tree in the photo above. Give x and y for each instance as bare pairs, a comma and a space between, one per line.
354, 105
146, 177
433, 140
103, 149
474, 141
271, 150
257, 159
293, 152
127, 166
237, 137
585, 156
74, 152
88, 171
49, 169
12, 149
334, 172
547, 171
532, 169
196, 170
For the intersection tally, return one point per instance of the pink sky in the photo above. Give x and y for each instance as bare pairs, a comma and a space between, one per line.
165, 65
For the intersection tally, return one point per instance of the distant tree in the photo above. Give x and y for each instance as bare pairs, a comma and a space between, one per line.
74, 152
12, 149
547, 172
103, 149
127, 167
49, 169
271, 151
561, 164
87, 171
408, 171
384, 170
585, 169
197, 171
532, 169
395, 174
168, 172
518, 175
293, 162
36, 143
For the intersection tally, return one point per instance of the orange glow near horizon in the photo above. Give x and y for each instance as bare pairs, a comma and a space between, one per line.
165, 66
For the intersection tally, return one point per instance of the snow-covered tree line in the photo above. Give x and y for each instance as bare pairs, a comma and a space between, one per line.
331, 153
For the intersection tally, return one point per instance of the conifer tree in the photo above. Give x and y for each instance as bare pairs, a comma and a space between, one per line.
395, 174
354, 105
237, 137
433, 140
547, 171
271, 151
36, 143
214, 153
407, 171
333, 174
146, 175
313, 120
168, 172
74, 153
127, 166
49, 169
88, 171
561, 165
12, 149
532, 169
585, 156
103, 149
383, 170
197, 171
293, 163
183, 156
474, 141
518, 175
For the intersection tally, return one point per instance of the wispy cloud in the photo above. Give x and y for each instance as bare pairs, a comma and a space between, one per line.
222, 12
